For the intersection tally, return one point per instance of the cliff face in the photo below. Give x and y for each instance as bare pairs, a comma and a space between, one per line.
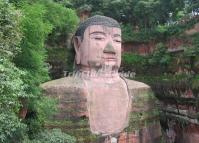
179, 119
146, 48
179, 103
178, 112
174, 42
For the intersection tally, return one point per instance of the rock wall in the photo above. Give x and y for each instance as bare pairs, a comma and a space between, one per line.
180, 118
146, 48
173, 42
139, 48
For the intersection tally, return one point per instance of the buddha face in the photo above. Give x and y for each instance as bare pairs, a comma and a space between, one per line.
100, 47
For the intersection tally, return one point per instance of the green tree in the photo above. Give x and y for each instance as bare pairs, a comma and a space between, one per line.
43, 22
160, 58
64, 21
52, 136
192, 5
11, 85
32, 57
10, 34
35, 21
142, 13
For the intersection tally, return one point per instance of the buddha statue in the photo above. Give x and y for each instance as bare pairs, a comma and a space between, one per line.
96, 90
97, 44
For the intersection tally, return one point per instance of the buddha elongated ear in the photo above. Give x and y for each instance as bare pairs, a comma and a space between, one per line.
76, 43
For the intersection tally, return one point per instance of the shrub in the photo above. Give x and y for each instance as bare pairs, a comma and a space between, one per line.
10, 34
64, 21
40, 19
11, 127
32, 58
133, 62
11, 85
159, 60
52, 136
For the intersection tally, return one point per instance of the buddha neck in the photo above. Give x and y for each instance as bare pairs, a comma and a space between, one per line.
98, 73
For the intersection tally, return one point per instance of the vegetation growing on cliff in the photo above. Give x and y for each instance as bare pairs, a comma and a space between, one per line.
32, 31
25, 28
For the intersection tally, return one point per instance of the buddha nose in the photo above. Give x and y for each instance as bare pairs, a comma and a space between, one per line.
109, 49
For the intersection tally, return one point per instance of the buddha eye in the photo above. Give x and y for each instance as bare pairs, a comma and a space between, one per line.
99, 38
117, 40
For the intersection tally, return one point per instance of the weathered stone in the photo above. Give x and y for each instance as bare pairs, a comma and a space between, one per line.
143, 124
70, 95
184, 115
97, 93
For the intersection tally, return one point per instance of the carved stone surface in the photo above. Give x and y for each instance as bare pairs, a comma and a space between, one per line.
111, 104
97, 45
72, 104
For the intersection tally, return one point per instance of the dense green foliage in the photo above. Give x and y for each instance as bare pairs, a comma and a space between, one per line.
192, 5
33, 54
35, 31
64, 21
53, 136
160, 33
143, 13
160, 58
142, 20
23, 36
156, 62
11, 89
11, 85
133, 62
10, 34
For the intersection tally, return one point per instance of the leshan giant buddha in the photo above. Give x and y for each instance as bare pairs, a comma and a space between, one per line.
97, 45
96, 91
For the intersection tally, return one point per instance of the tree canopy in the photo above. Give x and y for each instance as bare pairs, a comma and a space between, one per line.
142, 13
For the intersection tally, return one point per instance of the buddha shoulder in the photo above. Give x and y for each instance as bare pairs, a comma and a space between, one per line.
63, 84
132, 84
141, 94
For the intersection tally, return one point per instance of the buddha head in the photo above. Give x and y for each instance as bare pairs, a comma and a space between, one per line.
97, 43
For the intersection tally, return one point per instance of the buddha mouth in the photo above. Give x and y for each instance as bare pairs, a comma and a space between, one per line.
109, 57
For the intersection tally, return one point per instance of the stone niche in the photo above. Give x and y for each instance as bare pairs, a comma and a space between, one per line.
72, 115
